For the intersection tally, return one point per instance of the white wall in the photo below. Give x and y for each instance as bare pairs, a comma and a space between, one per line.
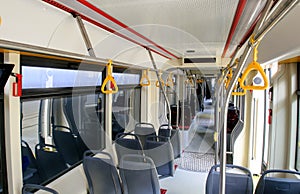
284, 120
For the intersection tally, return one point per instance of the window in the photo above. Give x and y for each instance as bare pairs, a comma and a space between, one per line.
39, 77
62, 116
72, 124
126, 103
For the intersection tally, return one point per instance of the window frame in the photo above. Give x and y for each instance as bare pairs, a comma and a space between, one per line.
297, 168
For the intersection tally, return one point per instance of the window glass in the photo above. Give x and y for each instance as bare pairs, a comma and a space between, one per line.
41, 77
126, 110
56, 132
126, 78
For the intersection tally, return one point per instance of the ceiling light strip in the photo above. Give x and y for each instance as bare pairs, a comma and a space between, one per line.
236, 19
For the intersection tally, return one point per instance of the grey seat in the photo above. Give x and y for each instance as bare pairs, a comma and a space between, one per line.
143, 130
31, 188
127, 143
160, 150
101, 173
50, 162
174, 136
30, 171
138, 175
236, 183
276, 185
65, 142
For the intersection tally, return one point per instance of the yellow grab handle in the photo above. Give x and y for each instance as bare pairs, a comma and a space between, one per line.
242, 93
199, 81
169, 81
110, 78
145, 78
162, 83
229, 77
254, 66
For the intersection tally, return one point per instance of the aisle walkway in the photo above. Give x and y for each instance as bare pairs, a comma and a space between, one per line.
185, 182
198, 156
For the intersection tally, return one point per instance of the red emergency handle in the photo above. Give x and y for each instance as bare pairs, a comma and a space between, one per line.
17, 86
270, 117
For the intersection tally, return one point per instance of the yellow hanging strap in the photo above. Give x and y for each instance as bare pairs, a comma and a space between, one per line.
189, 81
238, 93
254, 65
228, 78
145, 81
161, 81
110, 78
199, 81
169, 81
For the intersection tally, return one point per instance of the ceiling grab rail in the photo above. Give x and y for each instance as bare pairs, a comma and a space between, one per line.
109, 78
159, 81
169, 81
145, 78
263, 28
254, 65
161, 86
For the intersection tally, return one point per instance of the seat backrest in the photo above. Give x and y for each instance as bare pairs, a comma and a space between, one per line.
29, 165
126, 145
31, 188
160, 150
143, 130
101, 173
138, 175
236, 183
276, 185
50, 162
174, 137
27, 152
65, 143
70, 108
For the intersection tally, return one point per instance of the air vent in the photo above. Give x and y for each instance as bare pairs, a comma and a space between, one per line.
199, 60
190, 51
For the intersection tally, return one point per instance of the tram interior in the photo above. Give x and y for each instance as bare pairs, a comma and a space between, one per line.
150, 97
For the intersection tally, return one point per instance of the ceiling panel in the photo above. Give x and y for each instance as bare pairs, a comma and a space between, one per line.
205, 23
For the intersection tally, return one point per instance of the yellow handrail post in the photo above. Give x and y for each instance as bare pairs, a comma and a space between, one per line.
109, 78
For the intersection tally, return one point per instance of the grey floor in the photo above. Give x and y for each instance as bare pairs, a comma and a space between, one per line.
197, 158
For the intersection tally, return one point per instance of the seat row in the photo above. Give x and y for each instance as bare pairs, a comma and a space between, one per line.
239, 181
137, 174
162, 148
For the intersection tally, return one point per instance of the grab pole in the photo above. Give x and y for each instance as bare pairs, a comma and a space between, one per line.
161, 87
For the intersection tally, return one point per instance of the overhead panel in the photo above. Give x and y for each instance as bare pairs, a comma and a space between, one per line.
96, 16
202, 25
